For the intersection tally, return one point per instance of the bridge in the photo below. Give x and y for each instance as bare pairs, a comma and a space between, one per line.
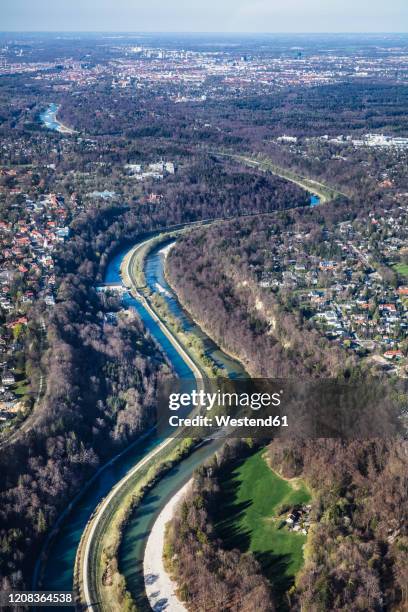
115, 287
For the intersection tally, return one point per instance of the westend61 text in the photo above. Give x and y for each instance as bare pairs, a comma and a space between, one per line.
228, 421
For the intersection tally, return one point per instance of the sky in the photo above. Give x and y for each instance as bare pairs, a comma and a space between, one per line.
205, 15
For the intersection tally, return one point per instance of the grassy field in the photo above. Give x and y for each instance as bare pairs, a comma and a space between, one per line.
252, 493
401, 269
22, 388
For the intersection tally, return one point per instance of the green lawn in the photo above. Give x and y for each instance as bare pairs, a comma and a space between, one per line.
22, 388
402, 269
252, 493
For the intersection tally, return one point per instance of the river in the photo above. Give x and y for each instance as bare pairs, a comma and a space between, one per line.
58, 569
156, 281
49, 119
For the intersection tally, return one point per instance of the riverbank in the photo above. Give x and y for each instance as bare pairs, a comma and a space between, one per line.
111, 518
153, 322
89, 559
131, 283
209, 332
50, 121
190, 343
96, 561
160, 587
61, 560
78, 517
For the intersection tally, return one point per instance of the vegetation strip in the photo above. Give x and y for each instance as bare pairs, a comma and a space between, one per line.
113, 589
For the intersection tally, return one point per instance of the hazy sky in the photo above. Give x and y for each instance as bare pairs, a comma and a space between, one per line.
206, 15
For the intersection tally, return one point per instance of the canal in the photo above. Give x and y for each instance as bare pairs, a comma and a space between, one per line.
57, 570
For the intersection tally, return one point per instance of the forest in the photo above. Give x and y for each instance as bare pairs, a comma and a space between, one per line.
219, 270
356, 556
356, 550
245, 119
101, 379
356, 553
209, 576
215, 271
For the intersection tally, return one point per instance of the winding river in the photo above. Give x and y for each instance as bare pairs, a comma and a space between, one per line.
58, 569
49, 119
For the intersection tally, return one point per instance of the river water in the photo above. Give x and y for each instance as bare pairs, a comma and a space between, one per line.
58, 569
49, 118
155, 279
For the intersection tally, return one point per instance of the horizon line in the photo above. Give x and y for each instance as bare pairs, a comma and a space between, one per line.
224, 32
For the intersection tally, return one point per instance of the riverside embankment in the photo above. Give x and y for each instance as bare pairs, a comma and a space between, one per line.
57, 571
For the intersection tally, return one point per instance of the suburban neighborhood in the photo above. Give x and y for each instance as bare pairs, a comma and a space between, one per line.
351, 283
